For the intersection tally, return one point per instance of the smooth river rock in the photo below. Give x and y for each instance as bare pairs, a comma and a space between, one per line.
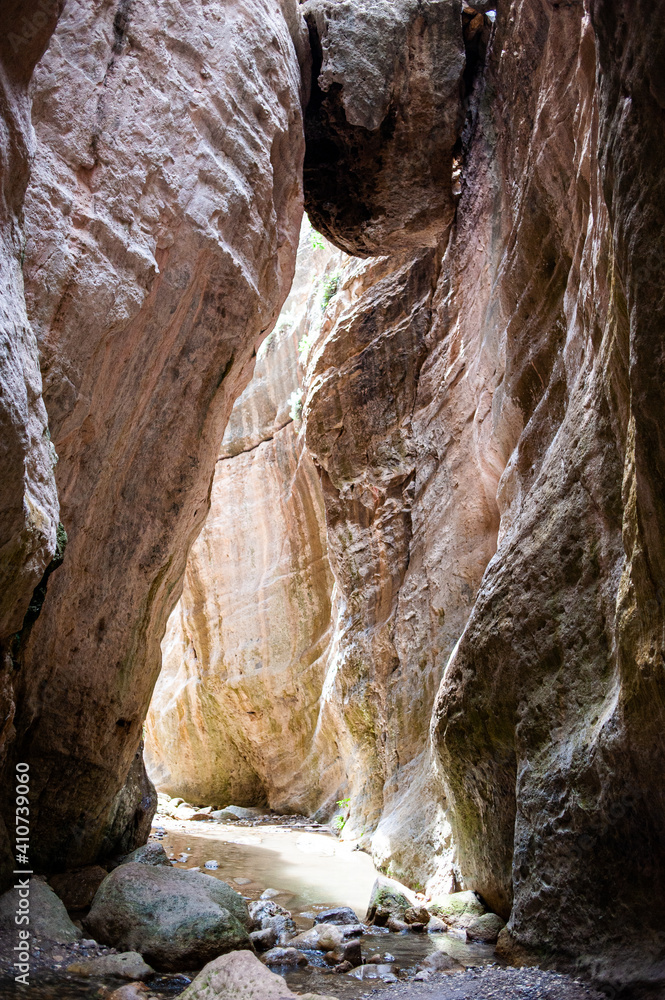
176, 920
125, 965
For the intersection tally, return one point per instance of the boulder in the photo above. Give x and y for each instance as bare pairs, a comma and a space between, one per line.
453, 906
322, 937
268, 915
132, 991
347, 951
126, 965
224, 816
238, 976
48, 916
175, 919
284, 956
398, 926
383, 122
441, 961
184, 812
417, 915
263, 939
337, 915
149, 854
388, 899
244, 812
77, 888
485, 928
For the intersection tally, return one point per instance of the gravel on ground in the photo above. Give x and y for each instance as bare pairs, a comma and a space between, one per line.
493, 983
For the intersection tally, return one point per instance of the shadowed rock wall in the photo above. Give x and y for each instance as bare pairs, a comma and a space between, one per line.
162, 222
28, 496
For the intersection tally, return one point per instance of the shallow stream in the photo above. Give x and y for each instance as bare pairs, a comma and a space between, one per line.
312, 871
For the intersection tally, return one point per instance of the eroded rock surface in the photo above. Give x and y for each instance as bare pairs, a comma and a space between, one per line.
162, 223
236, 705
484, 412
28, 497
383, 121
549, 720
483, 415
174, 919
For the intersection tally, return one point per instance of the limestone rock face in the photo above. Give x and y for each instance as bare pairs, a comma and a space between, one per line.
28, 498
244, 656
383, 121
493, 472
28, 495
162, 223
548, 725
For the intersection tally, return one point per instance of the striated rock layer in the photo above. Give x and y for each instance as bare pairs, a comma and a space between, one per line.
550, 717
486, 418
162, 222
244, 656
493, 471
485, 680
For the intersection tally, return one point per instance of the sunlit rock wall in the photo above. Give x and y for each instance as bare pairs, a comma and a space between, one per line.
245, 652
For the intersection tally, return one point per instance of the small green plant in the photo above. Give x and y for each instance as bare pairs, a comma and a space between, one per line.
330, 288
339, 821
306, 343
295, 404
316, 240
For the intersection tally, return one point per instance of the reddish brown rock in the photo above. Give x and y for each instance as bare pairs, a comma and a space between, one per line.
235, 709
162, 223
77, 888
549, 721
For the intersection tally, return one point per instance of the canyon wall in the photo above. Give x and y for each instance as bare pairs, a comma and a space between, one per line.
471, 651
244, 656
162, 220
28, 495
485, 410
534, 443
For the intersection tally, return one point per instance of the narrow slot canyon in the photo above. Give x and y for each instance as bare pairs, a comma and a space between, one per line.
332, 504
